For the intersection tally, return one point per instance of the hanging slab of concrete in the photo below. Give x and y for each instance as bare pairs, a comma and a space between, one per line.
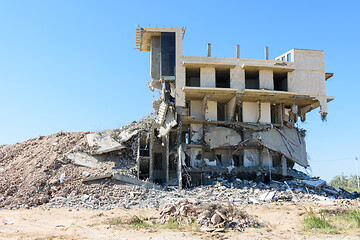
125, 135
103, 142
221, 137
287, 141
83, 159
169, 123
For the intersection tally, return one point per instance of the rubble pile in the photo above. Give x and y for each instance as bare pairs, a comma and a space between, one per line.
210, 217
51, 167
30, 171
108, 194
64, 170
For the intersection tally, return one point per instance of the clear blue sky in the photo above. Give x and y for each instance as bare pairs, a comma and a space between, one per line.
71, 65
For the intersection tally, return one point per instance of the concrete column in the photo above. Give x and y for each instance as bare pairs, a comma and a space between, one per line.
265, 112
211, 111
237, 51
179, 84
180, 71
207, 77
237, 78
167, 160
282, 109
151, 160
138, 156
266, 158
266, 79
180, 167
283, 166
209, 49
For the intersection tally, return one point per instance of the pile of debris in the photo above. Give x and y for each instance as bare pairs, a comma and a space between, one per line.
61, 165
91, 170
210, 217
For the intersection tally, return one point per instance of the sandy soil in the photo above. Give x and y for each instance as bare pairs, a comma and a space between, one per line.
283, 222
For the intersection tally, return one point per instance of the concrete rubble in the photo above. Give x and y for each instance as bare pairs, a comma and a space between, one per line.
209, 217
112, 184
59, 171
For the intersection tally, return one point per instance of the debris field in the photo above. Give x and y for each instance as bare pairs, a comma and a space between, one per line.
43, 171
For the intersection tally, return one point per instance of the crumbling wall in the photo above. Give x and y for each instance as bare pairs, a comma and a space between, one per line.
217, 137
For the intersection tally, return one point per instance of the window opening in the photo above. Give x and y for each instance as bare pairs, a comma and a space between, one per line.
220, 111
222, 78
193, 77
280, 81
252, 79
238, 160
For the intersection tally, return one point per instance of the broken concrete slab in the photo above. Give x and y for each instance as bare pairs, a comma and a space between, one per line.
268, 196
314, 183
103, 142
169, 123
134, 181
196, 132
161, 113
83, 159
97, 177
217, 137
155, 84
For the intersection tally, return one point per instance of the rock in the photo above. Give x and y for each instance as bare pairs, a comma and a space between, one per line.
216, 219
182, 211
84, 197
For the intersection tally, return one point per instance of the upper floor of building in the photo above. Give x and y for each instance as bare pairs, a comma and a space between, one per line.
295, 77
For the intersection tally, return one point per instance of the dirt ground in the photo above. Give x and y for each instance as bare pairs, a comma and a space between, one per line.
283, 222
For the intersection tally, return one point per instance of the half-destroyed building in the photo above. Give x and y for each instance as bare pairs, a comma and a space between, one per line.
219, 116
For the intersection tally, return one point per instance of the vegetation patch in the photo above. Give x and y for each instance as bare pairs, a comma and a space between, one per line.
353, 216
318, 222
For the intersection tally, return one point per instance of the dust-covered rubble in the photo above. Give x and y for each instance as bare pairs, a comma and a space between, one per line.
210, 217
61, 170
109, 194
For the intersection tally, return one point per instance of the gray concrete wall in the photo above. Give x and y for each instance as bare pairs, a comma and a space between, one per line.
155, 58
207, 77
266, 79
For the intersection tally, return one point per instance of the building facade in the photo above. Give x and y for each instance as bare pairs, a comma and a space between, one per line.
226, 117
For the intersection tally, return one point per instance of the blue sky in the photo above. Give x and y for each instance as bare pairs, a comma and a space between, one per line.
72, 66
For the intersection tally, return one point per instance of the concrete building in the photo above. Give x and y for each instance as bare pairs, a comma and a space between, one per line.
226, 116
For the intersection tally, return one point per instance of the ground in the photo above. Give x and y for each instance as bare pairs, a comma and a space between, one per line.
283, 221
